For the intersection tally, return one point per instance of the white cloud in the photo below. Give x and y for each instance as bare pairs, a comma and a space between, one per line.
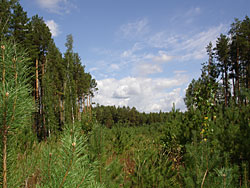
131, 52
193, 11
176, 48
121, 92
195, 47
162, 57
163, 39
93, 69
54, 28
186, 16
186, 47
145, 94
134, 29
162, 47
145, 69
147, 55
178, 72
114, 67
56, 6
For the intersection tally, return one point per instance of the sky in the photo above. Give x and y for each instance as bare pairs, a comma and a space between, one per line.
142, 53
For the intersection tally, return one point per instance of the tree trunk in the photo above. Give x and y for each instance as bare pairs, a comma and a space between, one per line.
237, 75
248, 75
5, 128
5, 132
37, 123
234, 97
87, 103
37, 92
63, 102
83, 103
90, 103
43, 100
78, 109
226, 87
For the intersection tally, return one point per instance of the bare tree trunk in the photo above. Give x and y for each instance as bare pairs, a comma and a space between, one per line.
83, 102
60, 110
72, 114
5, 128
90, 103
226, 85
38, 128
248, 75
87, 103
237, 75
78, 109
43, 100
5, 132
37, 92
63, 102
90, 114
248, 79
234, 93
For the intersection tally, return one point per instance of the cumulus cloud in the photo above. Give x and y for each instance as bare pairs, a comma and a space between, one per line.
127, 91
146, 94
56, 6
53, 26
148, 55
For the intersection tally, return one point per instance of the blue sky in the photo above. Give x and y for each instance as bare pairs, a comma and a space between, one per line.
142, 53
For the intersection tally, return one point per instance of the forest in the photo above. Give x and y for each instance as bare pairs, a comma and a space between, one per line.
52, 136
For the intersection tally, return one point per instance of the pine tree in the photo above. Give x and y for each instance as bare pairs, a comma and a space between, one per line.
5, 17
38, 40
53, 87
239, 49
244, 51
69, 165
222, 52
16, 107
19, 24
234, 56
69, 84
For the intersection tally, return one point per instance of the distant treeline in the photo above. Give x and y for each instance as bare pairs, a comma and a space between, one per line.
126, 116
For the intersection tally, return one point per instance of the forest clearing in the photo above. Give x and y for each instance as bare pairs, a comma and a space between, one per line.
52, 135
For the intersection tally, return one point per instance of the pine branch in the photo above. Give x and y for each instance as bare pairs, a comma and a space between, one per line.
81, 182
70, 164
16, 108
204, 177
